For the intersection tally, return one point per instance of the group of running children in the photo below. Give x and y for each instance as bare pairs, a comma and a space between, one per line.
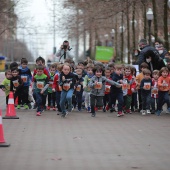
65, 86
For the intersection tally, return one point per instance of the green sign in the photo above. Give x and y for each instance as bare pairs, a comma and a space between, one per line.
104, 54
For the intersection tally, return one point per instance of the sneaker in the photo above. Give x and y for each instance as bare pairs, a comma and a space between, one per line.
112, 110
63, 115
70, 109
18, 106
128, 111
88, 109
158, 112
54, 108
104, 110
29, 105
120, 114
66, 114
107, 107
79, 110
152, 111
48, 107
93, 115
148, 112
143, 112
38, 114
100, 108
96, 109
26, 106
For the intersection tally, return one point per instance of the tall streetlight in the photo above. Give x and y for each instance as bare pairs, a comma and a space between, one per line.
149, 16
169, 3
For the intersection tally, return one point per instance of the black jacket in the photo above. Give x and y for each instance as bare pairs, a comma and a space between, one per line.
156, 61
144, 51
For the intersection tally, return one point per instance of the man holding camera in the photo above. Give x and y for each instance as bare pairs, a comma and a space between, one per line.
64, 52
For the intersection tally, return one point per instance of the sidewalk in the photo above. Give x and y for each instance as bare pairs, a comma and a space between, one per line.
80, 142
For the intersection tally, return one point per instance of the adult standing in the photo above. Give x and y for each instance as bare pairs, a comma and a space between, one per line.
64, 52
144, 47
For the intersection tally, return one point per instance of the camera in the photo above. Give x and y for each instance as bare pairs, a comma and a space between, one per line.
65, 47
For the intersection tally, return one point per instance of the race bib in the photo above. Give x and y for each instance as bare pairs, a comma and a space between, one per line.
154, 91
66, 86
78, 88
98, 85
15, 83
125, 85
107, 88
40, 85
147, 86
24, 78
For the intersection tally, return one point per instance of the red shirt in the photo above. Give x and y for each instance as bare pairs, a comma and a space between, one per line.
55, 83
132, 84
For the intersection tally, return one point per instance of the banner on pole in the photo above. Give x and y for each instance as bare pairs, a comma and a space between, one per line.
104, 54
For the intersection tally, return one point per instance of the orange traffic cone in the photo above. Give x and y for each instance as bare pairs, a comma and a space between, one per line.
2, 140
10, 112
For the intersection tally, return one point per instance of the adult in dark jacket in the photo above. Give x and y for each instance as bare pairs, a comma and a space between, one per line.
154, 62
144, 48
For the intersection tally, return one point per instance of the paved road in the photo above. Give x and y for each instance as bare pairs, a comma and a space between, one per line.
80, 142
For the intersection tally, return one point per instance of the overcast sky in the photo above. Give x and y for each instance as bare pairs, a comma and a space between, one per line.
36, 16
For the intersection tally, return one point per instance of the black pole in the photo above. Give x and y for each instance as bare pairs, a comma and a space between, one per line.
149, 33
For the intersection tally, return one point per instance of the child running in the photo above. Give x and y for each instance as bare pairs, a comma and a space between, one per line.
67, 82
97, 85
40, 86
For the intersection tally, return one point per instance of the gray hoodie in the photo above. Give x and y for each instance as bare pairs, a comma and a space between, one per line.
102, 80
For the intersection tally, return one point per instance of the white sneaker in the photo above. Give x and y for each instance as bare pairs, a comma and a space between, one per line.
148, 112
143, 112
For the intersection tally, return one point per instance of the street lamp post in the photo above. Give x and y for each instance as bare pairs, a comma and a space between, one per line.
169, 3
149, 16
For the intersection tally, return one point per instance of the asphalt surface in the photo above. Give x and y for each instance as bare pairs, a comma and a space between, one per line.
80, 142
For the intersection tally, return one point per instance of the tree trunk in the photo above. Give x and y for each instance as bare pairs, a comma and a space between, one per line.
133, 25
166, 24
155, 20
128, 31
